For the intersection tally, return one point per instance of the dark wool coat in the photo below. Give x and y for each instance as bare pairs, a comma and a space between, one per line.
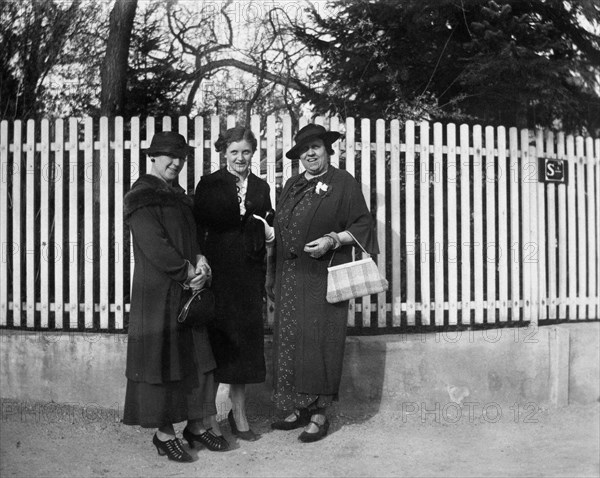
321, 332
235, 249
164, 237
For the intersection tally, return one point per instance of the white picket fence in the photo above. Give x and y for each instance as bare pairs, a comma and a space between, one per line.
468, 235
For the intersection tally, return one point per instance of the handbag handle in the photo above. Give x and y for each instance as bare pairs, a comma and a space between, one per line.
356, 241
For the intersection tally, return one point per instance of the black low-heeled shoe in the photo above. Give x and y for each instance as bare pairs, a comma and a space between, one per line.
173, 449
307, 437
248, 435
302, 419
208, 439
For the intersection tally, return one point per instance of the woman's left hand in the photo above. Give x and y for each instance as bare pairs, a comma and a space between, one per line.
202, 275
318, 247
202, 263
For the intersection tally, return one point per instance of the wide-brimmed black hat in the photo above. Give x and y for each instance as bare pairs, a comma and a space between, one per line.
309, 133
169, 142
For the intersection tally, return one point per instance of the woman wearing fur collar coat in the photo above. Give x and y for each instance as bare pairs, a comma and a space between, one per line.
169, 368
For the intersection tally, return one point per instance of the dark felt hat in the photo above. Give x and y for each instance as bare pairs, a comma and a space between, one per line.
170, 143
309, 133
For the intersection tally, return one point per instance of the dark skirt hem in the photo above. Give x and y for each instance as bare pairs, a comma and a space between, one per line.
156, 405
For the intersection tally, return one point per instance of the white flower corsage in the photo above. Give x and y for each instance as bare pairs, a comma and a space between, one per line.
321, 187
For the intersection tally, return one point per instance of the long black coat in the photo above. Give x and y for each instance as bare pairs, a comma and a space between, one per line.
321, 332
235, 249
164, 237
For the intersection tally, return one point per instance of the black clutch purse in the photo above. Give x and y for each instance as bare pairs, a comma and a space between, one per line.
198, 308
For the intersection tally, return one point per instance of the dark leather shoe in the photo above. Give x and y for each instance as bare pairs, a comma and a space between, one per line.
173, 449
248, 435
302, 419
208, 439
307, 437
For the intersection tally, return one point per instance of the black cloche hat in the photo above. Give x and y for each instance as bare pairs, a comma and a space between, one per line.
169, 142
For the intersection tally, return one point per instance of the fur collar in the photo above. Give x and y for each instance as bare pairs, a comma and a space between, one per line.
149, 190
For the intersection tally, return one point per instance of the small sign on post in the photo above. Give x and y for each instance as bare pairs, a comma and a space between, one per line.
552, 171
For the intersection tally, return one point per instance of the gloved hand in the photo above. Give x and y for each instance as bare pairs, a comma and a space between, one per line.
269, 231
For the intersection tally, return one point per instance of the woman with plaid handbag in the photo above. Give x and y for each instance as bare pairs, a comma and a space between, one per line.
319, 212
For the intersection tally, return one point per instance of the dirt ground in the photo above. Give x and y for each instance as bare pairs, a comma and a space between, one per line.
59, 440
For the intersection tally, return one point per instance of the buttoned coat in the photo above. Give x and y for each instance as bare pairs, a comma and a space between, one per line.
234, 245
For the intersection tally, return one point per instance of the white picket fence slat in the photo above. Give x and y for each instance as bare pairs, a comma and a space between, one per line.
4, 172
466, 245
452, 226
410, 226
60, 252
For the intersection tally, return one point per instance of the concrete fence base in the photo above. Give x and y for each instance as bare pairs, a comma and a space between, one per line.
552, 365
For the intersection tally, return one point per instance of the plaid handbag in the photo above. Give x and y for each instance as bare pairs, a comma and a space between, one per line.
354, 279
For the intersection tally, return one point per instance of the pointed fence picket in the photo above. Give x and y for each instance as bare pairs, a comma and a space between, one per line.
467, 232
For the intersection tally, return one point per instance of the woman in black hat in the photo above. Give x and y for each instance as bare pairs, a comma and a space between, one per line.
317, 209
231, 205
169, 368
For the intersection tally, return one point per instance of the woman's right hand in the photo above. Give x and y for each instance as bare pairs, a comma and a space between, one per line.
319, 247
269, 231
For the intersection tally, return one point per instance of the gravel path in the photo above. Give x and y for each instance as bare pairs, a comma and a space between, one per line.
59, 440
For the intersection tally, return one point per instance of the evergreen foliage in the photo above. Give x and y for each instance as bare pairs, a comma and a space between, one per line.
524, 63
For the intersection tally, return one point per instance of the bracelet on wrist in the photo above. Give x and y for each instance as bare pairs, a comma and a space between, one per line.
335, 240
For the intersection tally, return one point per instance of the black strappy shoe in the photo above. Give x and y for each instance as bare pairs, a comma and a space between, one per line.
172, 448
208, 439
302, 419
307, 437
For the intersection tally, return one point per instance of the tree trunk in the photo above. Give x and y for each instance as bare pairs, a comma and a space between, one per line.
114, 68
